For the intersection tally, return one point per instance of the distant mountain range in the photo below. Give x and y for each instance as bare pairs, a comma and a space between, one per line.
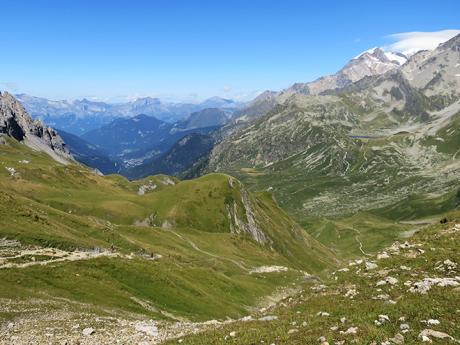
119, 137
133, 138
81, 116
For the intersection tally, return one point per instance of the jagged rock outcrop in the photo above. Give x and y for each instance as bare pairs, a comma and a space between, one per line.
249, 226
16, 123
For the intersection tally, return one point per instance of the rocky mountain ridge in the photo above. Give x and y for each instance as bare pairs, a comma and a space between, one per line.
370, 63
15, 122
373, 62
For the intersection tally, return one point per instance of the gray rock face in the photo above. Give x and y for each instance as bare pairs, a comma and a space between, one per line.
209, 117
248, 227
258, 107
370, 63
16, 123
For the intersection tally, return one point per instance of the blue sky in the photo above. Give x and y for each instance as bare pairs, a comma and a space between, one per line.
114, 50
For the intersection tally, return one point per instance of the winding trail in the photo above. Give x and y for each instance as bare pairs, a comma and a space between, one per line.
55, 255
195, 247
454, 157
361, 245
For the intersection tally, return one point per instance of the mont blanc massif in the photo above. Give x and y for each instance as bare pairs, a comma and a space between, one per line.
324, 213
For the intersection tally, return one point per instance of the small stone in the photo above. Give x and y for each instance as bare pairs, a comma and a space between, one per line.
397, 339
322, 339
88, 331
391, 280
450, 265
322, 313
370, 266
268, 318
425, 339
435, 334
383, 318
351, 330
351, 293
383, 255
432, 322
404, 327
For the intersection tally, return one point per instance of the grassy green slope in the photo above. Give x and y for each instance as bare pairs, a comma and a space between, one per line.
201, 269
447, 138
353, 300
364, 205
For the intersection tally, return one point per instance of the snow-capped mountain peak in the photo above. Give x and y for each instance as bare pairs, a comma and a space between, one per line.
398, 57
379, 55
369, 51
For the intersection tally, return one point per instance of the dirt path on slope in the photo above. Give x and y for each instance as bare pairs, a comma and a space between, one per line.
195, 247
46, 256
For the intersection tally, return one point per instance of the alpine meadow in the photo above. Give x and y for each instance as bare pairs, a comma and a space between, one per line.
194, 172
